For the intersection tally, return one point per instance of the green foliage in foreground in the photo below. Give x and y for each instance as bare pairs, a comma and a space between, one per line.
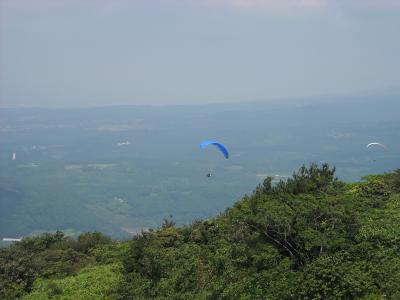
51, 256
310, 237
90, 283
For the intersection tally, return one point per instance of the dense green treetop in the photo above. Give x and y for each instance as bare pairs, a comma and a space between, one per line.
309, 237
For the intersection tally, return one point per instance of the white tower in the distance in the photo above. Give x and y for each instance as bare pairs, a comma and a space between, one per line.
14, 156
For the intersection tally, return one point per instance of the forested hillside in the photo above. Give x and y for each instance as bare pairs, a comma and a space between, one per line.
309, 237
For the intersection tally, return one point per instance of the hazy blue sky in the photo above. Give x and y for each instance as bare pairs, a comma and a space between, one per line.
97, 52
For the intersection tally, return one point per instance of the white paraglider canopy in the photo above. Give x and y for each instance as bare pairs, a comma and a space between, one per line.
376, 144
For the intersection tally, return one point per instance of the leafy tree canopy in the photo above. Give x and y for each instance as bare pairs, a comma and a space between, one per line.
309, 237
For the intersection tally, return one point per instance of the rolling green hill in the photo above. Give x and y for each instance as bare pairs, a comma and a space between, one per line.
309, 237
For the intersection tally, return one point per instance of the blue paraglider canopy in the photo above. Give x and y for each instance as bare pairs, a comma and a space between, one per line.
221, 147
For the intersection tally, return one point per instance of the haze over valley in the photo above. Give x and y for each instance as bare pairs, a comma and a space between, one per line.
124, 169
